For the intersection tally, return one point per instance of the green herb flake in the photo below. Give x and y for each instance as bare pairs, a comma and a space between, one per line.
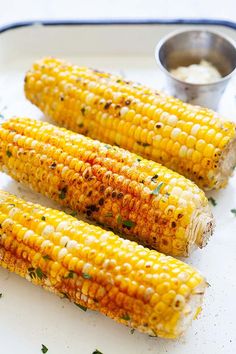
70, 212
86, 276
47, 257
43, 218
233, 211
44, 349
128, 223
132, 330
119, 219
80, 125
84, 308
62, 193
9, 154
126, 317
70, 275
157, 189
0, 295
40, 273
109, 214
138, 160
96, 352
212, 201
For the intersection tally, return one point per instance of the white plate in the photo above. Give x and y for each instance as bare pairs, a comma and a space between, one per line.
29, 316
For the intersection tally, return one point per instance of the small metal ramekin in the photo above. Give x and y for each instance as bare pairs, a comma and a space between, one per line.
183, 48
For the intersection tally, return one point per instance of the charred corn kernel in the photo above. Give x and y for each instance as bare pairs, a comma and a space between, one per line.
110, 185
150, 303
108, 108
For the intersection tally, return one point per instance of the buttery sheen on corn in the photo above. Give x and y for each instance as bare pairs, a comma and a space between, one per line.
191, 140
96, 269
140, 198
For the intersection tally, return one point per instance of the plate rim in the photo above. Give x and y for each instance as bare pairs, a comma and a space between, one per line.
111, 22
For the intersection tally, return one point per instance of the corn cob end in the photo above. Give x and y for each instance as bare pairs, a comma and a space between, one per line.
200, 229
96, 269
227, 164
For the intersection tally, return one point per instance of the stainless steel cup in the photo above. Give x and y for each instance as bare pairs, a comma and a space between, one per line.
183, 48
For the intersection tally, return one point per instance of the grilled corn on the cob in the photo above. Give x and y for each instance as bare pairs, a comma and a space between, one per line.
137, 197
98, 270
191, 140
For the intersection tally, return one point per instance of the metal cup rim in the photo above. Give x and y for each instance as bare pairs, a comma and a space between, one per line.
173, 34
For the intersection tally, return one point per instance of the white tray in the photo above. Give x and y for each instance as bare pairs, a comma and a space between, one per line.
30, 316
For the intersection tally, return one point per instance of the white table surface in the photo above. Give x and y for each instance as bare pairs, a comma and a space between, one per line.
20, 10
15, 10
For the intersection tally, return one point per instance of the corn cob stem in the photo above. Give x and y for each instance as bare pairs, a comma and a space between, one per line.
98, 270
140, 198
191, 140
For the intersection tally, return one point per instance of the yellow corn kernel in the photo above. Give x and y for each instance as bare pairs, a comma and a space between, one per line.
108, 108
108, 184
149, 288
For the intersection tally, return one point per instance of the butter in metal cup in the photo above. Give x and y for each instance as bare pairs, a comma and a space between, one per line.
183, 48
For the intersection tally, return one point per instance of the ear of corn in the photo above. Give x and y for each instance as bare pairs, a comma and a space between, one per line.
191, 140
98, 270
142, 199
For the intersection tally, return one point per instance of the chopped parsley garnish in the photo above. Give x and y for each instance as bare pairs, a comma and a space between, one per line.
0, 295
47, 257
233, 211
109, 214
125, 223
132, 330
84, 308
157, 189
70, 212
40, 273
44, 349
62, 193
119, 219
73, 213
126, 317
97, 352
86, 276
212, 201
33, 273
70, 275
138, 160
9, 154
128, 223
43, 218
